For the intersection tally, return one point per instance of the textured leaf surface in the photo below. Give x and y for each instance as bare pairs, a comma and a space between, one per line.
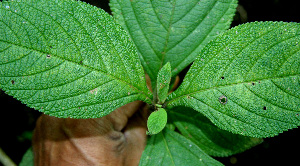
247, 80
211, 139
163, 82
67, 58
172, 31
169, 148
157, 121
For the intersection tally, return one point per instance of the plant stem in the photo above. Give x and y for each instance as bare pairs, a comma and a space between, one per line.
5, 160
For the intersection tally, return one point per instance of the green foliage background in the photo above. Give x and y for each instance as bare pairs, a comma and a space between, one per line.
14, 133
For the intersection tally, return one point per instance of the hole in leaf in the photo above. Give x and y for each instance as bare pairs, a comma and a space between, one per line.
12, 82
253, 83
48, 55
222, 77
223, 99
265, 108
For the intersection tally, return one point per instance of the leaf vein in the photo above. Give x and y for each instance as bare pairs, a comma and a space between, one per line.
108, 101
169, 49
59, 25
11, 30
167, 148
241, 50
250, 124
279, 87
74, 95
262, 53
15, 60
268, 101
147, 40
86, 31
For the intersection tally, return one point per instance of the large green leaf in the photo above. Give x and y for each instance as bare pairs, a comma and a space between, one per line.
172, 31
67, 58
211, 139
247, 80
169, 148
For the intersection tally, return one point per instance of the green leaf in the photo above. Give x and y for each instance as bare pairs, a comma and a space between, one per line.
28, 158
67, 59
169, 148
212, 140
172, 31
247, 80
157, 121
163, 82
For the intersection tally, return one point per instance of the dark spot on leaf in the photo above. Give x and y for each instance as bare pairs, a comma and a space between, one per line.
188, 97
222, 77
223, 99
297, 114
50, 46
253, 83
12, 82
80, 62
265, 108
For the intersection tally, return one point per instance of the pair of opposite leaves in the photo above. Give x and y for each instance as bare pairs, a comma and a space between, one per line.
57, 69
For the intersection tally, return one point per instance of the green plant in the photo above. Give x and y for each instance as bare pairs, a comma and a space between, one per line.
69, 59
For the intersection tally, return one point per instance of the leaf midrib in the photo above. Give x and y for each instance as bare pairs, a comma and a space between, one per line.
88, 105
150, 72
167, 147
88, 67
193, 31
248, 44
228, 85
167, 35
59, 57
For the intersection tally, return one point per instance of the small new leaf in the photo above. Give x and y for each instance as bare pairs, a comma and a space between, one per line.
157, 121
163, 82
